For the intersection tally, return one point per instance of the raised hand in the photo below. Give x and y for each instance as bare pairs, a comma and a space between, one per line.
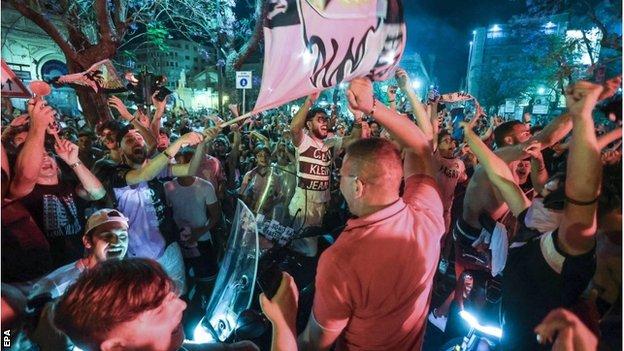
67, 151
159, 105
314, 96
116, 102
283, 306
469, 125
402, 79
190, 139
234, 109
534, 149
582, 97
41, 115
360, 95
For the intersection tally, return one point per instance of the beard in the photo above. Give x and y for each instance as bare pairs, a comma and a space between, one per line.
319, 134
138, 155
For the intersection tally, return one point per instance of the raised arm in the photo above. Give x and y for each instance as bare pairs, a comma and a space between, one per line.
30, 158
539, 174
281, 310
497, 170
555, 130
422, 117
192, 167
116, 103
160, 106
407, 133
298, 122
90, 187
584, 172
607, 138
154, 166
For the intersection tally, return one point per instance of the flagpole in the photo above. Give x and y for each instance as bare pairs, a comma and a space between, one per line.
237, 119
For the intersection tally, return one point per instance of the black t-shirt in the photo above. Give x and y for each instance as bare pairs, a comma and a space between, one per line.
60, 214
538, 278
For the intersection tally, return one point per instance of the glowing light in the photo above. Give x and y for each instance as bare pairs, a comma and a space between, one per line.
549, 25
474, 323
495, 28
416, 83
76, 348
541, 90
474, 32
470, 42
201, 335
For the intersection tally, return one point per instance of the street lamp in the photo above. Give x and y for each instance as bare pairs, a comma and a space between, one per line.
495, 28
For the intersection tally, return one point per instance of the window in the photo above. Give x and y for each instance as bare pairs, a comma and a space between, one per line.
187, 57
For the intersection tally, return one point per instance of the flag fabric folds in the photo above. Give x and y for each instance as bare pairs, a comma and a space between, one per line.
313, 45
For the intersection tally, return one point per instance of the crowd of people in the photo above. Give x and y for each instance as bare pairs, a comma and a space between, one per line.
110, 232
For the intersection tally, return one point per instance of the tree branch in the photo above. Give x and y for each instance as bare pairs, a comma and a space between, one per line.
47, 26
258, 34
119, 19
103, 14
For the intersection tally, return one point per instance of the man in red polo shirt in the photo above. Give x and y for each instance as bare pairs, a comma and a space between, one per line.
373, 285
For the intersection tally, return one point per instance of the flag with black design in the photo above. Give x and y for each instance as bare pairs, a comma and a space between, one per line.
311, 45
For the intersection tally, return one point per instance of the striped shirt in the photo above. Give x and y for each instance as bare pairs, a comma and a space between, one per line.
314, 159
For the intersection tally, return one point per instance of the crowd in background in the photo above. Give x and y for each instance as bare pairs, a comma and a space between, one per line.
162, 184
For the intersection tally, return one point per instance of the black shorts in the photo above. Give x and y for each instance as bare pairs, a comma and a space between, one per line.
205, 267
524, 233
465, 254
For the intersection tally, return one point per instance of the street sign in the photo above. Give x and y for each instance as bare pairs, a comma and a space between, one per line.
11, 85
510, 106
540, 105
243, 80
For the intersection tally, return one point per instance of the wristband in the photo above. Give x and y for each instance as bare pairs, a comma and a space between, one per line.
391, 101
581, 203
74, 165
132, 119
167, 154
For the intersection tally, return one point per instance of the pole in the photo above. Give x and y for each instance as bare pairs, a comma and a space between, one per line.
244, 100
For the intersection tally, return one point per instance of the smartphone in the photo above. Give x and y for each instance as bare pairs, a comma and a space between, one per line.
269, 277
162, 93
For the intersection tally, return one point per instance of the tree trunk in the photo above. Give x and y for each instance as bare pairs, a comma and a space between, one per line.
94, 106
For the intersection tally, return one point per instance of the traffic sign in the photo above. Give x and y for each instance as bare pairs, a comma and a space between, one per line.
243, 80
12, 86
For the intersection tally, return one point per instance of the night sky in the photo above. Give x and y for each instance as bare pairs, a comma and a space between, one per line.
444, 29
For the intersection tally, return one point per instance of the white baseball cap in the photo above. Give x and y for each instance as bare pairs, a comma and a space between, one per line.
105, 215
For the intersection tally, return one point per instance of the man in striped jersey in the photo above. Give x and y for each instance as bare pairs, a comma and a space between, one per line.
314, 156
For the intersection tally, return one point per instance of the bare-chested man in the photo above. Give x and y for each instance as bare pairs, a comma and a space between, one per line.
515, 143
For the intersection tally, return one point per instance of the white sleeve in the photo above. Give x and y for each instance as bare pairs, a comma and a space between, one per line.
211, 195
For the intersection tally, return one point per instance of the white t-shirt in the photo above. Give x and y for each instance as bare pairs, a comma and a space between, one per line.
189, 203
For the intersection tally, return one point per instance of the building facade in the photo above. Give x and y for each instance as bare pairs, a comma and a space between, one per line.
501, 45
32, 55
